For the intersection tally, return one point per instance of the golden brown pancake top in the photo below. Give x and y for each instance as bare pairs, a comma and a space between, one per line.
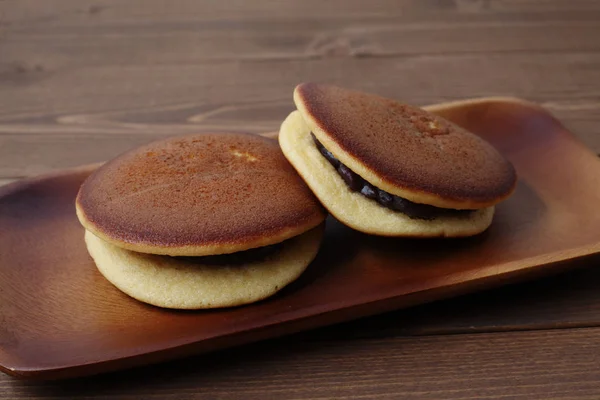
406, 147
197, 195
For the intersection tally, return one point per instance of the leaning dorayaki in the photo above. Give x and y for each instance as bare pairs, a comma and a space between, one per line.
391, 169
200, 221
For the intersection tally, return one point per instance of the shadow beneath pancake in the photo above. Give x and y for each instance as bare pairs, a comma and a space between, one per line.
514, 219
336, 251
418, 249
346, 253
230, 372
524, 208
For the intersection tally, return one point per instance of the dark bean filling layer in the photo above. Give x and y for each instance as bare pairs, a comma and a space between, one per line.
237, 258
393, 202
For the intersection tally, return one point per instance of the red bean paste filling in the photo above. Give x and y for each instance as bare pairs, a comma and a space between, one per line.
237, 258
385, 199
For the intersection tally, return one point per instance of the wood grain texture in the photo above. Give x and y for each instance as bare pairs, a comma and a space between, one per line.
69, 331
565, 301
81, 71
86, 125
81, 81
547, 365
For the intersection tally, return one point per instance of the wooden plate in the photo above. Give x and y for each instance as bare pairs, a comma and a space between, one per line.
60, 318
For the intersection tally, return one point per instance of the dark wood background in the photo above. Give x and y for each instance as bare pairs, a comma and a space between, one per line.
81, 81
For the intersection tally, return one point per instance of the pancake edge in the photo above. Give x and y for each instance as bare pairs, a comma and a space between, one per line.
196, 250
176, 284
355, 210
355, 164
285, 230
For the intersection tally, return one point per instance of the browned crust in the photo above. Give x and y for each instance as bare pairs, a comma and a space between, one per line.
198, 195
406, 150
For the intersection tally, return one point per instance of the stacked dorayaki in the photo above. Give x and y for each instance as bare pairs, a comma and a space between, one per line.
220, 220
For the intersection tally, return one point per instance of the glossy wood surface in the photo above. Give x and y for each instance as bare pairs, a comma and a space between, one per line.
81, 81
61, 318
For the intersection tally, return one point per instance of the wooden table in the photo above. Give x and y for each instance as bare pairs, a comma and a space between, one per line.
81, 81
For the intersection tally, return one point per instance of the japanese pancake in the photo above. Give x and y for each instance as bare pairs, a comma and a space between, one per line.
391, 169
200, 221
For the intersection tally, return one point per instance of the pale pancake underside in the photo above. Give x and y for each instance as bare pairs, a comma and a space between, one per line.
170, 282
355, 210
